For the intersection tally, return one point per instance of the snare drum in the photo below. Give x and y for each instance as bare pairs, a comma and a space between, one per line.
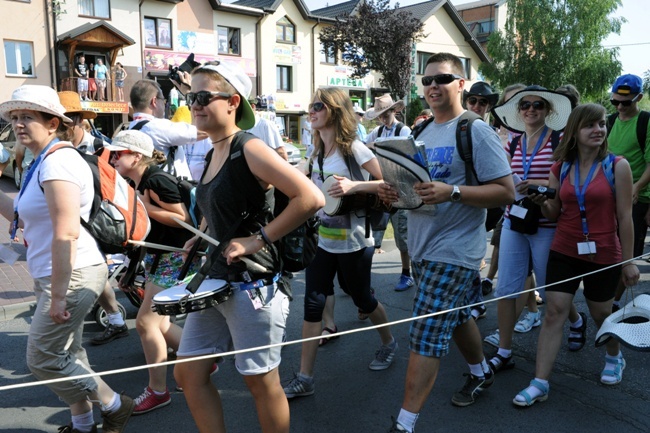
335, 206
177, 300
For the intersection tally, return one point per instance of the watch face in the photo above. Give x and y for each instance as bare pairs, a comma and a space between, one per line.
455, 195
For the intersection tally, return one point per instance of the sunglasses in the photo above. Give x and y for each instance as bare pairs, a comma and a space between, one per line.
440, 79
204, 97
616, 102
317, 107
118, 154
472, 100
537, 105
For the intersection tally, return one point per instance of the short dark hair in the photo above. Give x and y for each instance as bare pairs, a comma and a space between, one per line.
142, 92
453, 60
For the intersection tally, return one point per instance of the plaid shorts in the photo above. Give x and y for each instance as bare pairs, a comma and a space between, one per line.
440, 287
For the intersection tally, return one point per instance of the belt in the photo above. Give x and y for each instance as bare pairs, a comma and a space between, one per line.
252, 285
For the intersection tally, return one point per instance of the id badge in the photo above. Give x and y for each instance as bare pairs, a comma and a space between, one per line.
518, 211
255, 295
585, 248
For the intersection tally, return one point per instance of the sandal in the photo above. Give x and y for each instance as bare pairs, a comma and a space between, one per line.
527, 399
499, 363
613, 377
329, 333
577, 343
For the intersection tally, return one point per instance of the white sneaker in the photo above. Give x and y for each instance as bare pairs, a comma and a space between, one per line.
530, 321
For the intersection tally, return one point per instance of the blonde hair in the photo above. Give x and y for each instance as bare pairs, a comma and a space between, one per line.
156, 158
580, 117
341, 115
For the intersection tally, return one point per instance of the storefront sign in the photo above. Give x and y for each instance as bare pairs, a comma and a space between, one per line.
156, 60
346, 82
287, 54
106, 107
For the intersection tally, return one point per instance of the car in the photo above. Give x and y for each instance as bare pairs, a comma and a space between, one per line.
293, 153
11, 169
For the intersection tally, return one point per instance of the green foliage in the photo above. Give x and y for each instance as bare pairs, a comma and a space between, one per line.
379, 39
646, 82
413, 110
555, 42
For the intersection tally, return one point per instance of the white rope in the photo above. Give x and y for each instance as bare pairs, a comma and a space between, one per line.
288, 343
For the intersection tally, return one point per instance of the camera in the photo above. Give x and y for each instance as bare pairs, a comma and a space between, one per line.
187, 66
538, 189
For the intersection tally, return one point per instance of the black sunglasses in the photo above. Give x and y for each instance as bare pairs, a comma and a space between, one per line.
317, 106
616, 102
204, 97
537, 105
473, 100
440, 79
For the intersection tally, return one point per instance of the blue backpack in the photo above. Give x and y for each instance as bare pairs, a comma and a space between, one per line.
607, 165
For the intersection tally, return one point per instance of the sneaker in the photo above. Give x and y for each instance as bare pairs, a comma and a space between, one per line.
396, 428
493, 339
530, 321
115, 422
479, 312
299, 387
472, 388
383, 357
148, 401
404, 283
68, 429
111, 333
486, 287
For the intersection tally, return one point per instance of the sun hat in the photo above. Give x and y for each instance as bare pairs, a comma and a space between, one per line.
481, 88
72, 104
34, 97
383, 103
627, 84
556, 119
236, 76
359, 110
630, 325
133, 140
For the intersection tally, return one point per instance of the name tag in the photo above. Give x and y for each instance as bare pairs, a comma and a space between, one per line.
586, 248
518, 211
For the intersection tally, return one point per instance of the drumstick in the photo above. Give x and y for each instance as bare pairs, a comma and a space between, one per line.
158, 246
255, 266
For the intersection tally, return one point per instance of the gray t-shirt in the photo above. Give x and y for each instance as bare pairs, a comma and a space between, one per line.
454, 233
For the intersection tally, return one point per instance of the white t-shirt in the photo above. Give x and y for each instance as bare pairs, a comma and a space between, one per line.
195, 155
267, 132
345, 233
66, 165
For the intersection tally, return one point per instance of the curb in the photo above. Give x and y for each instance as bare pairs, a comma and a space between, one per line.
15, 311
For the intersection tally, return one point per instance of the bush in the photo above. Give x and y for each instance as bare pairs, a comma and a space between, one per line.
413, 110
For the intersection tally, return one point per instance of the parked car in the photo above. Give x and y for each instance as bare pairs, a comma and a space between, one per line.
8, 140
293, 153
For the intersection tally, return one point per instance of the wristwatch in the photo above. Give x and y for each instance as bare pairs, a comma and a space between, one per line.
455, 194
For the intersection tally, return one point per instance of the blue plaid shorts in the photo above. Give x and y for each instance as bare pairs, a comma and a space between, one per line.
440, 287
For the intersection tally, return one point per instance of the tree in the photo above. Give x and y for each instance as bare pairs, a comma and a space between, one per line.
413, 110
376, 39
646, 82
555, 42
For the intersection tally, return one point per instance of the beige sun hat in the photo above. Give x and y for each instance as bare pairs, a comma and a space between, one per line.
36, 98
383, 103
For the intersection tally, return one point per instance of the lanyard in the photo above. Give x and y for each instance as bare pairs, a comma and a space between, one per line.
524, 151
32, 169
580, 193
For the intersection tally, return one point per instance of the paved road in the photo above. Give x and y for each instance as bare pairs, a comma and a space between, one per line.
351, 398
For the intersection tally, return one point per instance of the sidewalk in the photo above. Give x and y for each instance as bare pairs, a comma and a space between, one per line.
16, 287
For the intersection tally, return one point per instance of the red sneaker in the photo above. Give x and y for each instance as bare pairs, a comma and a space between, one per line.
149, 401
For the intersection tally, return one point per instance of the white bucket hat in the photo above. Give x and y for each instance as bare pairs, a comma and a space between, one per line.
133, 140
34, 97
383, 103
556, 119
630, 325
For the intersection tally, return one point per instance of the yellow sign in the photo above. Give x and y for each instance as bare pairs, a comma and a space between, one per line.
106, 107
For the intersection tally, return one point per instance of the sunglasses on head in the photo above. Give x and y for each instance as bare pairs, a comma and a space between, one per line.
204, 97
473, 100
537, 105
317, 106
616, 102
119, 153
440, 79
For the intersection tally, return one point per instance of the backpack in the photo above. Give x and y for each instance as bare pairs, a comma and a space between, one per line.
187, 190
168, 165
398, 128
641, 127
117, 215
607, 165
555, 141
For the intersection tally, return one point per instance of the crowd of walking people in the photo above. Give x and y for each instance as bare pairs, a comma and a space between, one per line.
565, 184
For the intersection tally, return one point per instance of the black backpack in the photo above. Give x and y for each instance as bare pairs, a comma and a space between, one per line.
555, 141
398, 128
187, 190
641, 127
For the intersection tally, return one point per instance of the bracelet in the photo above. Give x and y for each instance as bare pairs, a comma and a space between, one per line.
265, 237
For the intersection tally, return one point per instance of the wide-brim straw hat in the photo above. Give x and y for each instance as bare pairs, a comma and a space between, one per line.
383, 103
36, 98
556, 119
483, 89
630, 325
72, 104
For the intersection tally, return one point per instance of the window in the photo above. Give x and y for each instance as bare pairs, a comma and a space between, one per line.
285, 31
228, 40
19, 58
157, 32
95, 8
327, 55
484, 27
283, 78
422, 61
467, 65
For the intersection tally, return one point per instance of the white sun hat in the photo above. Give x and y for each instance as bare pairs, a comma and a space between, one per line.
34, 97
556, 119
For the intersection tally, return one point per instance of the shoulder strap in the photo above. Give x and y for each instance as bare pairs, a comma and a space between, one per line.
98, 143
464, 145
555, 139
564, 171
398, 128
611, 119
381, 131
642, 129
419, 128
513, 146
607, 165
138, 126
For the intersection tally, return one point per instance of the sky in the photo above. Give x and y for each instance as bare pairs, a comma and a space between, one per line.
634, 40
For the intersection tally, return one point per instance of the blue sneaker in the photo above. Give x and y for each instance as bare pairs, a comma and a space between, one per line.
404, 283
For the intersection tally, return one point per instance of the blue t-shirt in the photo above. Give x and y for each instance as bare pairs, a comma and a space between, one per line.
100, 72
